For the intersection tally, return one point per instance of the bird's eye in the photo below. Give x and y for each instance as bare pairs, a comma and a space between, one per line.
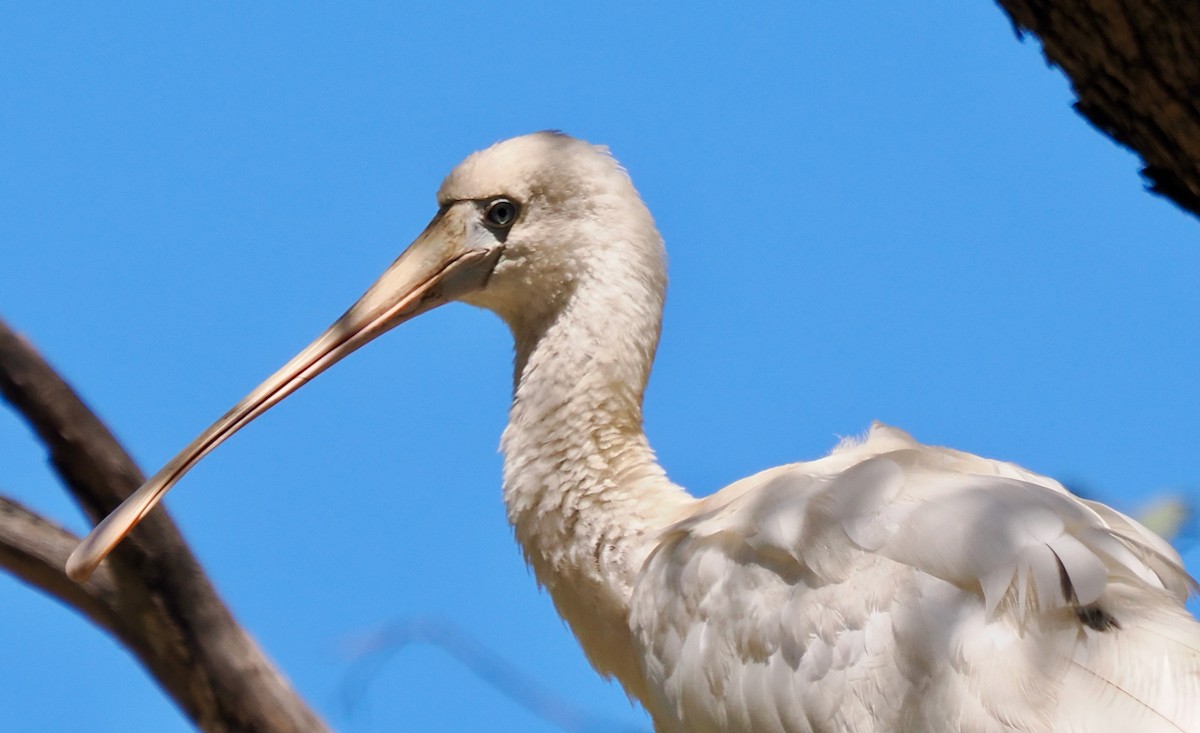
500, 213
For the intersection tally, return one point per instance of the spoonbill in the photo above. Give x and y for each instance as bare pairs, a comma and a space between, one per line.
890, 586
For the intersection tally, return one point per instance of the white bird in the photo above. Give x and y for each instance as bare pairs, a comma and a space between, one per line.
890, 586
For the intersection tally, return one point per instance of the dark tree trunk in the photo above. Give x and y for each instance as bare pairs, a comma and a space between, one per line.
1135, 66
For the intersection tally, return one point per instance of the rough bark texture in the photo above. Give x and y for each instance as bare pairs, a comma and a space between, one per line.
1135, 66
151, 594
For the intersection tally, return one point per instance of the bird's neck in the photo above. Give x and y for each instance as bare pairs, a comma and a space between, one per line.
583, 490
579, 474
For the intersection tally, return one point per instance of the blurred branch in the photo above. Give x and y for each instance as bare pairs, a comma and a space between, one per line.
35, 550
1172, 516
1135, 67
374, 651
152, 594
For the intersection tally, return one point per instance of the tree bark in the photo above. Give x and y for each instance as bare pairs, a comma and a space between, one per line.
151, 594
1135, 66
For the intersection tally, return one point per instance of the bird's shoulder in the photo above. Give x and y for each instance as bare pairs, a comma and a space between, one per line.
1019, 538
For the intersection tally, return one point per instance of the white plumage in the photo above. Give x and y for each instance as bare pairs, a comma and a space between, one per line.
895, 586
890, 586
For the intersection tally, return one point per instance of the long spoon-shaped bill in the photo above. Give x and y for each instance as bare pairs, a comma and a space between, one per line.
436, 268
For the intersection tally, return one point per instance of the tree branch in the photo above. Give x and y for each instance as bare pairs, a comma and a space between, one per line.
1135, 66
163, 607
35, 549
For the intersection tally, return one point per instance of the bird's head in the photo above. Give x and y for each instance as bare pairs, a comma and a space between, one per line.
519, 226
556, 210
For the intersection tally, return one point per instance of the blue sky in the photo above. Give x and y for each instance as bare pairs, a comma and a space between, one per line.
872, 213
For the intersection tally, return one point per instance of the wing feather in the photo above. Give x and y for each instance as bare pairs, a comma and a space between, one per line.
894, 586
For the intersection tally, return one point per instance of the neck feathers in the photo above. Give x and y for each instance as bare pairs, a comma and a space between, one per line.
578, 471
585, 495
